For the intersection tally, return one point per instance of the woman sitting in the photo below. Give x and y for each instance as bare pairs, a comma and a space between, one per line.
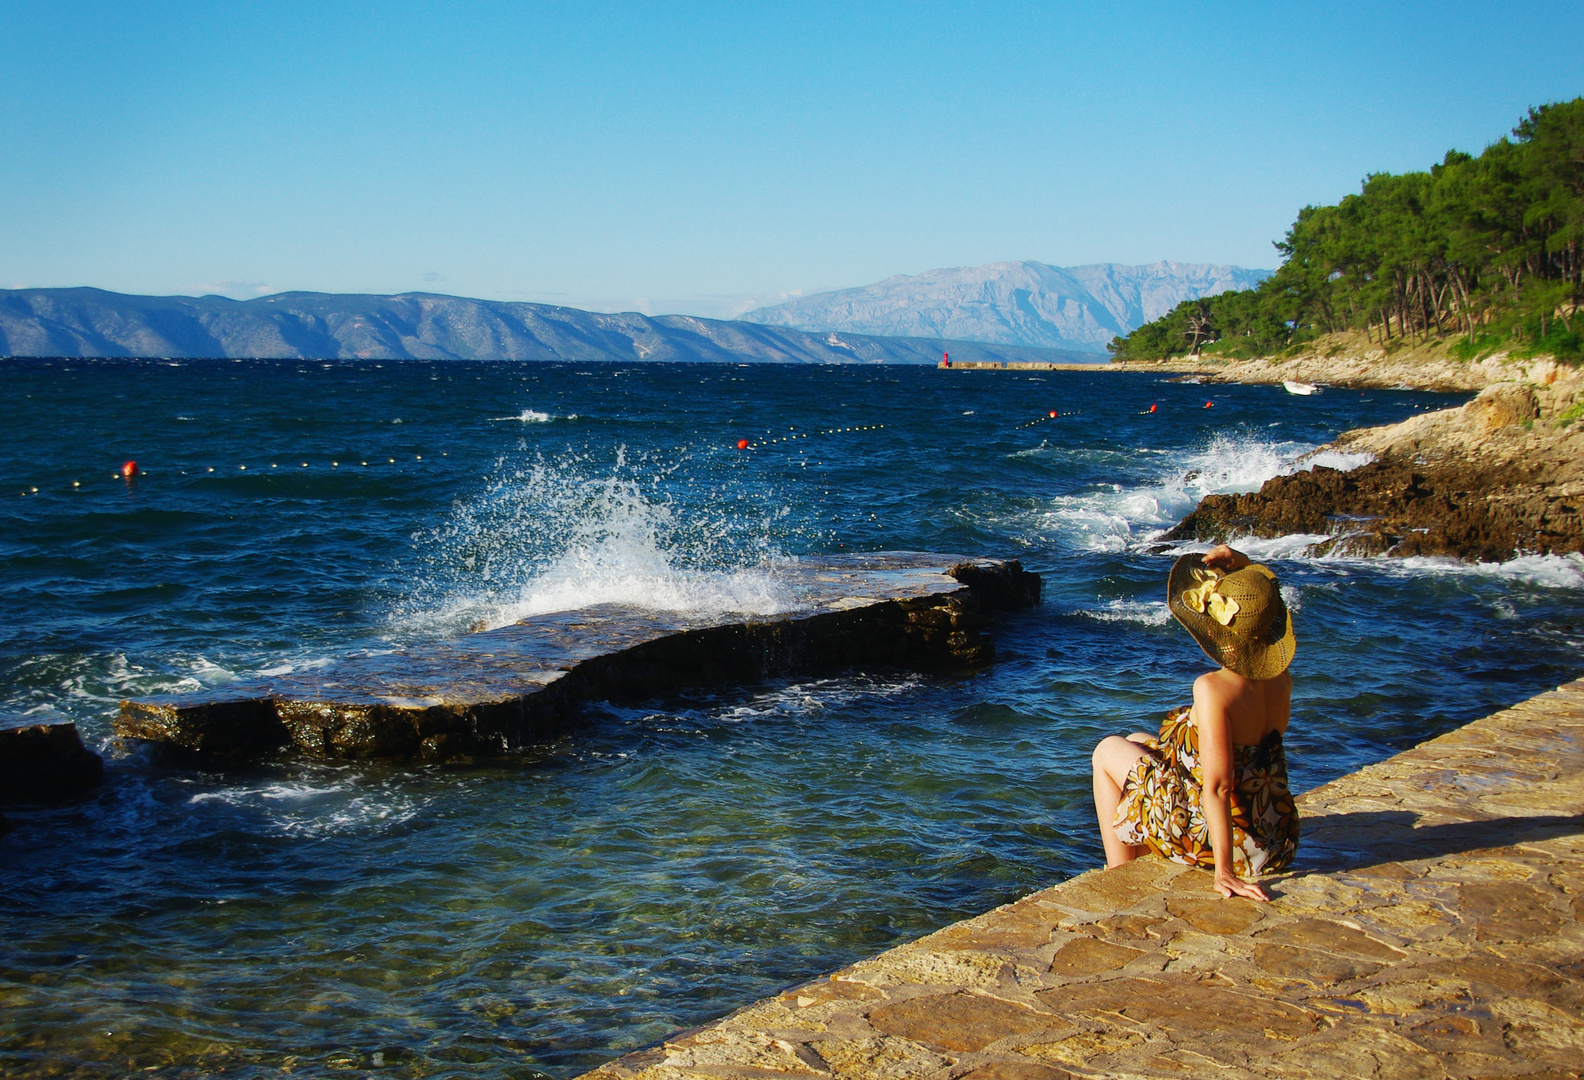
1211, 788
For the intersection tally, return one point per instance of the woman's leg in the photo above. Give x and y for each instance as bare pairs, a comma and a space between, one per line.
1113, 759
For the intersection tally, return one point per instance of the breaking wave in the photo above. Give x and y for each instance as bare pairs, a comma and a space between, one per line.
566, 533
1125, 515
532, 416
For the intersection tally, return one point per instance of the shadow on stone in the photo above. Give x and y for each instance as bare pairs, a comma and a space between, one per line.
1362, 839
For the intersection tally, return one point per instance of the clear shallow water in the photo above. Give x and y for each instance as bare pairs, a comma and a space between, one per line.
670, 862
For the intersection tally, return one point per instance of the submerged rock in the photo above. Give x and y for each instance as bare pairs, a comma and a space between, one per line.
508, 690
1499, 477
45, 763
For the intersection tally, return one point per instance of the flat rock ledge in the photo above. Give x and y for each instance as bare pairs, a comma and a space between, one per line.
521, 687
1431, 928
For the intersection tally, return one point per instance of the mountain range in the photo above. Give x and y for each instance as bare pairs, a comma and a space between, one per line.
94, 323
1001, 311
1012, 303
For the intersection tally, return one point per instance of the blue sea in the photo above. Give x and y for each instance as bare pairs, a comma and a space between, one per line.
667, 863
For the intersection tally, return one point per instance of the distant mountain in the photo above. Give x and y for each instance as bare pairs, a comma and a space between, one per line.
1012, 303
95, 323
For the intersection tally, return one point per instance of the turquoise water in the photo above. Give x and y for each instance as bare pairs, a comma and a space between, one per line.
666, 863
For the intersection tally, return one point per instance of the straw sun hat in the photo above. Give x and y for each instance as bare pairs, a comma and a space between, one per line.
1238, 619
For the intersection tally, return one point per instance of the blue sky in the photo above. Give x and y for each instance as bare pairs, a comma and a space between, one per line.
705, 158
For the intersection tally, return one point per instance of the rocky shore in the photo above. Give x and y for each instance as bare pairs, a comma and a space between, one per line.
1352, 360
1499, 477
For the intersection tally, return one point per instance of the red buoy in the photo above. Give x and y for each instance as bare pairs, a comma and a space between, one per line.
1053, 414
1152, 408
1209, 404
128, 469
742, 444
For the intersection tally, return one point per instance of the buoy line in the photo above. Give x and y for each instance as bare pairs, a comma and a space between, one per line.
131, 470
745, 444
1052, 415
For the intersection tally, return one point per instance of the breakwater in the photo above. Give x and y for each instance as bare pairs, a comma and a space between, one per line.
517, 687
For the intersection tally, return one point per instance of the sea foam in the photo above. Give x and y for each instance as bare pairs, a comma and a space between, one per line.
567, 533
532, 416
1119, 517
314, 805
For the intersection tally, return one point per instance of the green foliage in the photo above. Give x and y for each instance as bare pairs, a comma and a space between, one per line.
1489, 247
1479, 346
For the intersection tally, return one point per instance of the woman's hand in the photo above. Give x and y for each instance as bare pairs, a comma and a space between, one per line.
1227, 560
1230, 885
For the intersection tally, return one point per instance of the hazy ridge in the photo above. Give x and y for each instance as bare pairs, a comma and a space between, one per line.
1012, 303
94, 323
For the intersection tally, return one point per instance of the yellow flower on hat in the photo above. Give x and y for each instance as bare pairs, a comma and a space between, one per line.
1223, 608
1203, 598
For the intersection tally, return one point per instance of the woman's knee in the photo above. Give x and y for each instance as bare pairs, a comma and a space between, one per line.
1108, 750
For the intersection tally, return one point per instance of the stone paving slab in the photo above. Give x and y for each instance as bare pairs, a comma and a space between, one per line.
1430, 928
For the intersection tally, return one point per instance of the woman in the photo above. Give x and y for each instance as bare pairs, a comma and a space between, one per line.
1211, 788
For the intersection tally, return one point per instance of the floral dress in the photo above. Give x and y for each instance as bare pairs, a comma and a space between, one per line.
1161, 805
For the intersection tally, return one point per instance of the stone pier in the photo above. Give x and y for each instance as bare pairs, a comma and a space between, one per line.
521, 686
1430, 928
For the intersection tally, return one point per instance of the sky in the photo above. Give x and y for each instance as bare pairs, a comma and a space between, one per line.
704, 158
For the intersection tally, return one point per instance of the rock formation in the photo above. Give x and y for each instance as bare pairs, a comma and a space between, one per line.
46, 763
1501, 476
936, 626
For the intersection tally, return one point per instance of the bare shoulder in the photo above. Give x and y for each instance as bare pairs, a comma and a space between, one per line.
1217, 687
1250, 708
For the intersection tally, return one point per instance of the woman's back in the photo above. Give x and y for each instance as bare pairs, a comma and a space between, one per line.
1253, 707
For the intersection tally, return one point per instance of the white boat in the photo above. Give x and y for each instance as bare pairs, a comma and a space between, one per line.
1301, 388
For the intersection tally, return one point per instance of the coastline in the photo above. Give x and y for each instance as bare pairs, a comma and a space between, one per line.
1429, 927
1498, 477
1348, 360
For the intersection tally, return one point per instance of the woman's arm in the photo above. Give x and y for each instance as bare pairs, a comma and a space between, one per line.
1225, 559
1215, 763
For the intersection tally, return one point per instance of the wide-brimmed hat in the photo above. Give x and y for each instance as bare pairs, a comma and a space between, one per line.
1239, 619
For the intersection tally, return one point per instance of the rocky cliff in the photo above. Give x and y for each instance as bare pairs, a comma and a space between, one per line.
1021, 303
95, 323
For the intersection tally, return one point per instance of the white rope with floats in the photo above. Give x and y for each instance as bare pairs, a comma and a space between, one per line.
746, 444
131, 470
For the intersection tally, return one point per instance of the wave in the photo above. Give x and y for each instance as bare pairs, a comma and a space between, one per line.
290, 667
306, 808
86, 687
1120, 517
1139, 612
533, 416
567, 533
1540, 571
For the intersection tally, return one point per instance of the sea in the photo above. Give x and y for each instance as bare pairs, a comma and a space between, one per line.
667, 862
